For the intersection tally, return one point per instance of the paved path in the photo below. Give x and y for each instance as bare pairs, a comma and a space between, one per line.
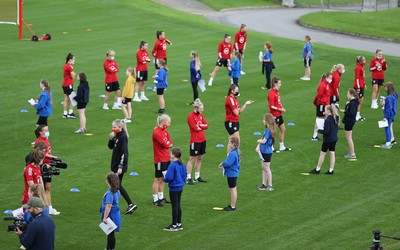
284, 25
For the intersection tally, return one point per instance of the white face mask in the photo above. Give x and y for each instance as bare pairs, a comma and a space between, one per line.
379, 57
112, 58
329, 80
343, 71
47, 134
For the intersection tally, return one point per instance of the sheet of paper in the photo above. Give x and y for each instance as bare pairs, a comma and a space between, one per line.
71, 98
31, 101
320, 123
383, 124
202, 85
109, 227
19, 212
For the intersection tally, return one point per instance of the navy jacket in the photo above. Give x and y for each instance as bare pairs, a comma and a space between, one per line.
350, 111
40, 234
330, 130
195, 75
119, 145
82, 94
176, 176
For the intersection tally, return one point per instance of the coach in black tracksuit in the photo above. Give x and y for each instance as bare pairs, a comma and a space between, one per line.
118, 142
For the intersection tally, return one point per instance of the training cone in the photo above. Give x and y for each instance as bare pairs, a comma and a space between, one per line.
74, 190
220, 145
133, 174
8, 211
149, 88
290, 124
102, 96
257, 133
24, 111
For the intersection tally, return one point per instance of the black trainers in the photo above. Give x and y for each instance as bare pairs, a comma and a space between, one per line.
163, 201
65, 116
171, 228
179, 226
314, 171
262, 187
393, 142
285, 149
131, 208
158, 204
161, 111
276, 151
72, 116
229, 208
189, 182
200, 180
315, 138
329, 173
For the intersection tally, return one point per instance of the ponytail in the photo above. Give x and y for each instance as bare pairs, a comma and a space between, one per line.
268, 44
69, 57
113, 181
38, 130
121, 124
177, 152
197, 63
46, 85
235, 141
142, 43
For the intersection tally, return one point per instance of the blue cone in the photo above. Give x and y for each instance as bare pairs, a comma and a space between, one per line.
24, 111
8, 211
133, 174
75, 190
291, 124
102, 96
220, 145
149, 88
257, 133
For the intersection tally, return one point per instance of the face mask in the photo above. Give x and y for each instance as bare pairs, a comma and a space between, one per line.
343, 71
116, 131
112, 58
165, 126
379, 57
47, 134
236, 94
329, 80
72, 62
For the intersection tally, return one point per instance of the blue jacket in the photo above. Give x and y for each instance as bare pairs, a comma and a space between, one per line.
389, 111
307, 47
231, 164
266, 148
176, 176
236, 68
44, 106
330, 130
396, 95
161, 79
115, 215
195, 75
40, 234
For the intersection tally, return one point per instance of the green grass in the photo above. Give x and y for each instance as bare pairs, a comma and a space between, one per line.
304, 212
226, 4
350, 22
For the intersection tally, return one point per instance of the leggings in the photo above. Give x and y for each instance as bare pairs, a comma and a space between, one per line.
111, 240
176, 206
195, 92
123, 191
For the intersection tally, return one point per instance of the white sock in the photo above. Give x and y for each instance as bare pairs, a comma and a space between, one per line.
318, 168
160, 195
281, 145
155, 197
330, 170
115, 104
196, 175
315, 134
392, 139
50, 207
65, 113
358, 114
136, 95
105, 105
189, 176
211, 79
141, 93
71, 111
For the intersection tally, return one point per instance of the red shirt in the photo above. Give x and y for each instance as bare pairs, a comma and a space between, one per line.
378, 67
197, 124
31, 173
68, 80
323, 96
359, 77
160, 48
110, 69
274, 100
224, 50
47, 150
335, 84
142, 58
240, 40
161, 143
231, 103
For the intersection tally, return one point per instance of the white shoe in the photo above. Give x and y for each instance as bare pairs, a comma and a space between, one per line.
53, 211
126, 120
374, 106
144, 98
155, 89
242, 73
22, 247
210, 83
305, 78
116, 107
106, 108
136, 99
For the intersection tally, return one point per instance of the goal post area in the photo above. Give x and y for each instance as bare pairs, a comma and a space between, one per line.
11, 13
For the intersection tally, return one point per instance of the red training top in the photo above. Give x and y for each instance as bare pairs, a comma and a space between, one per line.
47, 151
231, 103
31, 173
197, 124
378, 67
142, 58
359, 77
110, 69
335, 84
68, 80
160, 48
161, 143
274, 101
323, 96
240, 40
224, 50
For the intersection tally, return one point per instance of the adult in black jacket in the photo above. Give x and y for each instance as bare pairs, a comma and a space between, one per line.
118, 142
82, 99
349, 119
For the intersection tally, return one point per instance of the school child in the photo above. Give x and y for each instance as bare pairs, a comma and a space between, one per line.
161, 81
82, 99
389, 113
43, 106
236, 68
127, 94
349, 120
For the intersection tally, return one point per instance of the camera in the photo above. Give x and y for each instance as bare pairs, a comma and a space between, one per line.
17, 223
52, 168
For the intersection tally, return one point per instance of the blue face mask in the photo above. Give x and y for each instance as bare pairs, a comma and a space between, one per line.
47, 134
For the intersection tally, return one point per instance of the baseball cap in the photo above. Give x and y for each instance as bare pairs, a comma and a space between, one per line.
35, 202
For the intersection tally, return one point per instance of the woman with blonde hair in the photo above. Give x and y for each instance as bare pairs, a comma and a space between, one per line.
195, 73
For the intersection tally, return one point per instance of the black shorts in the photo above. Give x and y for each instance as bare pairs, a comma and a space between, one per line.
68, 90
81, 105
348, 126
112, 86
265, 157
46, 180
378, 81
197, 148
232, 127
334, 99
279, 120
159, 168
320, 110
221, 62
232, 181
309, 63
126, 100
240, 52
42, 120
328, 146
141, 76
360, 92
156, 61
160, 91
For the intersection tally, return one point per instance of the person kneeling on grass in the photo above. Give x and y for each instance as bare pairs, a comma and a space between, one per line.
230, 168
330, 132
176, 178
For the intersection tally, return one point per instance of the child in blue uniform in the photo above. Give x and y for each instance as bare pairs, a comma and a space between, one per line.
236, 68
44, 106
176, 178
389, 113
264, 150
231, 167
161, 82
110, 207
